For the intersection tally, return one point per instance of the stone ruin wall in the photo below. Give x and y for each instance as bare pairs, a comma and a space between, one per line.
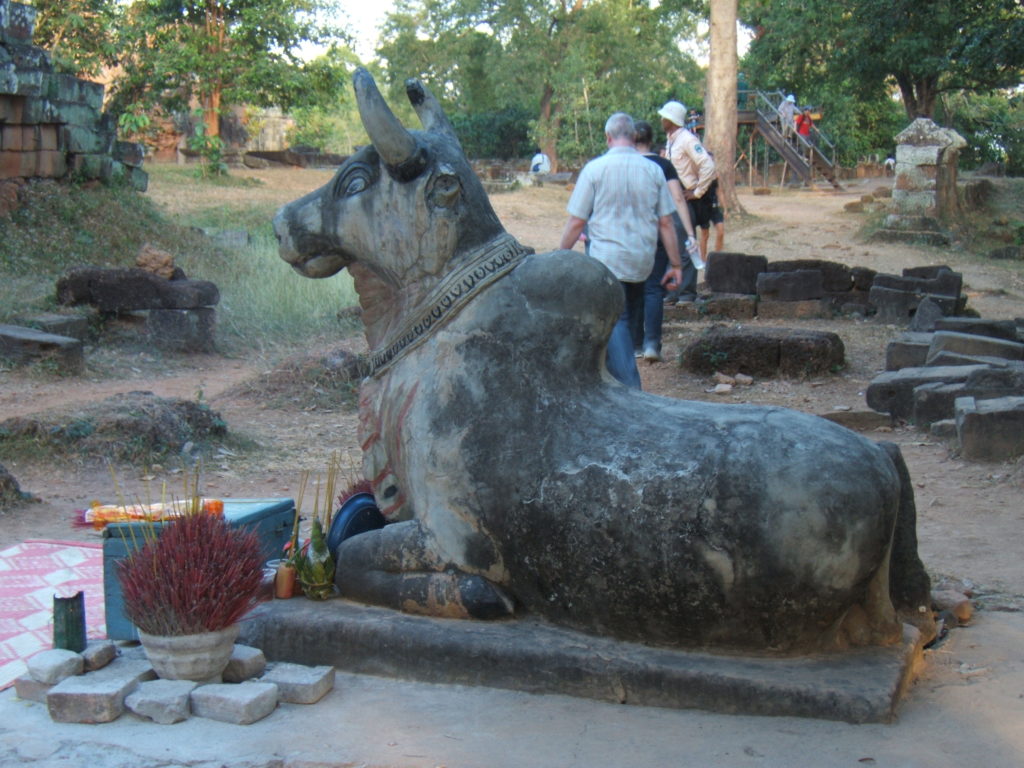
52, 125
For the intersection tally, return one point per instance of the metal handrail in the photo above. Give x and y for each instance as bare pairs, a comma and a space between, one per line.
767, 105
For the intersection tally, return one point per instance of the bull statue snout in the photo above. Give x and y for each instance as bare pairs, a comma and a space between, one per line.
519, 478
301, 244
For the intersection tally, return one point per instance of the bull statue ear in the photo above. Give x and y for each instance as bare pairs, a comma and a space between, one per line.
403, 157
429, 109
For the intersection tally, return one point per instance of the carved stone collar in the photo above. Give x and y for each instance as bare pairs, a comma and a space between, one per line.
448, 297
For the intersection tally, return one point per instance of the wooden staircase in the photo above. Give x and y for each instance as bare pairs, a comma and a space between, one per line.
805, 157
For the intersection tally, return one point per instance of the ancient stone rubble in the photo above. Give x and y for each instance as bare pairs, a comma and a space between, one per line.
962, 378
53, 125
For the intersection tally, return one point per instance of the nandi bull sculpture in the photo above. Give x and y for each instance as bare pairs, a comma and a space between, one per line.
519, 476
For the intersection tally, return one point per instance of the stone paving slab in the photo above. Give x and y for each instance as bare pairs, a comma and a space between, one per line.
990, 430
241, 703
908, 350
859, 686
245, 663
972, 345
86, 699
298, 683
162, 701
29, 344
892, 392
73, 326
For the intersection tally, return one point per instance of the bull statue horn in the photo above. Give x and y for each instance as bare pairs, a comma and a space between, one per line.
429, 109
404, 158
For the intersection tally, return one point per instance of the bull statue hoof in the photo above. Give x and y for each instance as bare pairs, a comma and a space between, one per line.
520, 477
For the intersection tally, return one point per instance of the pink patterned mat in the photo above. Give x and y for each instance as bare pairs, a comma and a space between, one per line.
31, 574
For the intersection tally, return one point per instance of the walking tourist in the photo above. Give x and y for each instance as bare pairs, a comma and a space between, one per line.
624, 202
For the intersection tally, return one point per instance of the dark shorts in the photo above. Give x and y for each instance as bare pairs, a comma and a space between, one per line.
705, 211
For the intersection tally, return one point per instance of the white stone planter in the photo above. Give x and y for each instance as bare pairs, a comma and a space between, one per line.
190, 657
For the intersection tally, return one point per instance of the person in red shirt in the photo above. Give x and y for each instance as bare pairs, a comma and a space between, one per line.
804, 123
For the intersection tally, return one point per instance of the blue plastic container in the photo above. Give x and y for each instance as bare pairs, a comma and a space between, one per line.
272, 520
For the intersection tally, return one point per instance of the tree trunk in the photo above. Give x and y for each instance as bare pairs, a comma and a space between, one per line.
547, 126
216, 32
918, 94
720, 107
211, 112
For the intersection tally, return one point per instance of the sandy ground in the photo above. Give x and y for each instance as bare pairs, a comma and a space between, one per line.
967, 511
970, 698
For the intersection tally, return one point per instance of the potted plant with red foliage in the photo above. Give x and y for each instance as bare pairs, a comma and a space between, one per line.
187, 588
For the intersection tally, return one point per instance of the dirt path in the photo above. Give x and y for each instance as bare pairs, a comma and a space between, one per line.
969, 514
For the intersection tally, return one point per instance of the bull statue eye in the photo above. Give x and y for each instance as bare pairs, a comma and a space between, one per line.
358, 176
445, 190
356, 184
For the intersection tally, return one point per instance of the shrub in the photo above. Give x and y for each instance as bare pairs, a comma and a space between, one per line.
196, 574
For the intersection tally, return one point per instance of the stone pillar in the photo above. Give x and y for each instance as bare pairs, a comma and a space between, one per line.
925, 195
926, 168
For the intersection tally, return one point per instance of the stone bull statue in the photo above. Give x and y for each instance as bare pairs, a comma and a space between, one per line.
519, 476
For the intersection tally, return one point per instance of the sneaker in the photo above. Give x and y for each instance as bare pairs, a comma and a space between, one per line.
652, 354
638, 353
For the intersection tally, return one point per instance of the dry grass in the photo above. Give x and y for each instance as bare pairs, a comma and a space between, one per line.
246, 199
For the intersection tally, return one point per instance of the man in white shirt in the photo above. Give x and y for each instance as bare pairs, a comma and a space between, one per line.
540, 163
787, 117
623, 200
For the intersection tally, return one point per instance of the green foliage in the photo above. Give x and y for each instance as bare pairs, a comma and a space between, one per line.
210, 150
568, 66
262, 301
503, 133
316, 566
330, 129
993, 125
866, 47
223, 52
171, 53
133, 122
81, 35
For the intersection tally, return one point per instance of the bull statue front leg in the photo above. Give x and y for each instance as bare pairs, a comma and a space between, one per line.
401, 565
396, 567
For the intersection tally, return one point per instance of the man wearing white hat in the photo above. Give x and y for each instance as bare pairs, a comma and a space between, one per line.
787, 116
695, 166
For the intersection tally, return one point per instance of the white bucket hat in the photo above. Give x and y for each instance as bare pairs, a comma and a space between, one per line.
674, 111
791, 98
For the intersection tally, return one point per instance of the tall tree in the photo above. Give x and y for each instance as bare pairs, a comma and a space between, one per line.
571, 62
925, 49
720, 111
220, 52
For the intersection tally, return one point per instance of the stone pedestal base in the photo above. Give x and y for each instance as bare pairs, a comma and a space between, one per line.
859, 686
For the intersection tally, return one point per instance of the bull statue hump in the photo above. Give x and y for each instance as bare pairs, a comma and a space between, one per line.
518, 477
